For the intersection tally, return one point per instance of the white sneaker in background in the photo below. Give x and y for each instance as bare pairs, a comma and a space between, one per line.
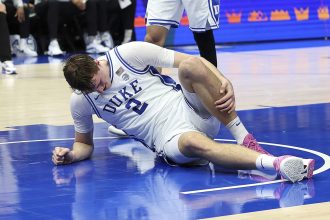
127, 36
95, 47
106, 40
54, 48
8, 67
25, 50
14, 44
32, 43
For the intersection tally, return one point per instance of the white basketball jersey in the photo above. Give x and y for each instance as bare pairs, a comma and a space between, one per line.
138, 95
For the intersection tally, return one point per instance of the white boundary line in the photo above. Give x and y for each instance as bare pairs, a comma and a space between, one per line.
323, 168
53, 139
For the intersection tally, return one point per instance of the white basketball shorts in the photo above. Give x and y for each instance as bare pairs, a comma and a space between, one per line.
189, 116
202, 14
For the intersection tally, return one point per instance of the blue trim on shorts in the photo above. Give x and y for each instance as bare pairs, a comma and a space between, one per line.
203, 29
172, 23
211, 8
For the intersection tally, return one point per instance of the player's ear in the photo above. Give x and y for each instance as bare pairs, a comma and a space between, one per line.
97, 62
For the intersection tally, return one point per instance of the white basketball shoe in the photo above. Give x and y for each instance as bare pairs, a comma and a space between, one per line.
54, 48
8, 67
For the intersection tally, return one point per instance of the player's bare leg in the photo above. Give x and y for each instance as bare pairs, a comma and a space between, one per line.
194, 144
231, 156
156, 35
195, 77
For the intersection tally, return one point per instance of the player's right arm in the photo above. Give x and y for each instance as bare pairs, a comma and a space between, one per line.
82, 149
83, 146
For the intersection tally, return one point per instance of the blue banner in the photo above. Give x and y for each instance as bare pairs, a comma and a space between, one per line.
255, 20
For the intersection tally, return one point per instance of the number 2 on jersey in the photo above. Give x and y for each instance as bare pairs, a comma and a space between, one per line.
136, 106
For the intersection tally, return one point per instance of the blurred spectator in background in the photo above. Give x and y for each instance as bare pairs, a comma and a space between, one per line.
70, 15
121, 15
99, 39
19, 27
6, 62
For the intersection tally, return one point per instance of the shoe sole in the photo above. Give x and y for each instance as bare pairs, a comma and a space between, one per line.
292, 168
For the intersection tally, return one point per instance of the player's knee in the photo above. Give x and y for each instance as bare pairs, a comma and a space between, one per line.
191, 145
191, 69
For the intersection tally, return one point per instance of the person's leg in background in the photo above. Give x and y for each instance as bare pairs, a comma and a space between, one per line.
6, 62
24, 31
127, 17
203, 18
19, 29
103, 24
206, 45
51, 9
93, 45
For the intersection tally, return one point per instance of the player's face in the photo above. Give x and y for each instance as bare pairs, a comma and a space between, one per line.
101, 79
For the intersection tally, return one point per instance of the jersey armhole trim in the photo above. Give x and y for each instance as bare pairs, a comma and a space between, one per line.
144, 71
89, 99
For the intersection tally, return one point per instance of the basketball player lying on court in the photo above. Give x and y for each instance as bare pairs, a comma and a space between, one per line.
178, 122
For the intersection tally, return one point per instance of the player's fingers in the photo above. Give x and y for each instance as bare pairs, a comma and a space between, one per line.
229, 108
228, 95
56, 160
61, 151
224, 105
222, 100
233, 107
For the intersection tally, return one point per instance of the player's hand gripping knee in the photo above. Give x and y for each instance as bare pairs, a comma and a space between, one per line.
227, 102
62, 155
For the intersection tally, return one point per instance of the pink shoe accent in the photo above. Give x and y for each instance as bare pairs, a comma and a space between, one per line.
309, 165
251, 143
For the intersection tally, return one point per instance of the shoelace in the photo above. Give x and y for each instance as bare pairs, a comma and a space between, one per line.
253, 145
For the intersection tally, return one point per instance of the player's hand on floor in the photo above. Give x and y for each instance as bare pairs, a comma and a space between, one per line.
227, 102
62, 155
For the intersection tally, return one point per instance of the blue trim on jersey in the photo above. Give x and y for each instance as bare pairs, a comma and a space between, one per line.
110, 64
89, 99
129, 66
172, 23
166, 80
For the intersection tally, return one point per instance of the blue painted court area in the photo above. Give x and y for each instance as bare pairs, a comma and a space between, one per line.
124, 180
